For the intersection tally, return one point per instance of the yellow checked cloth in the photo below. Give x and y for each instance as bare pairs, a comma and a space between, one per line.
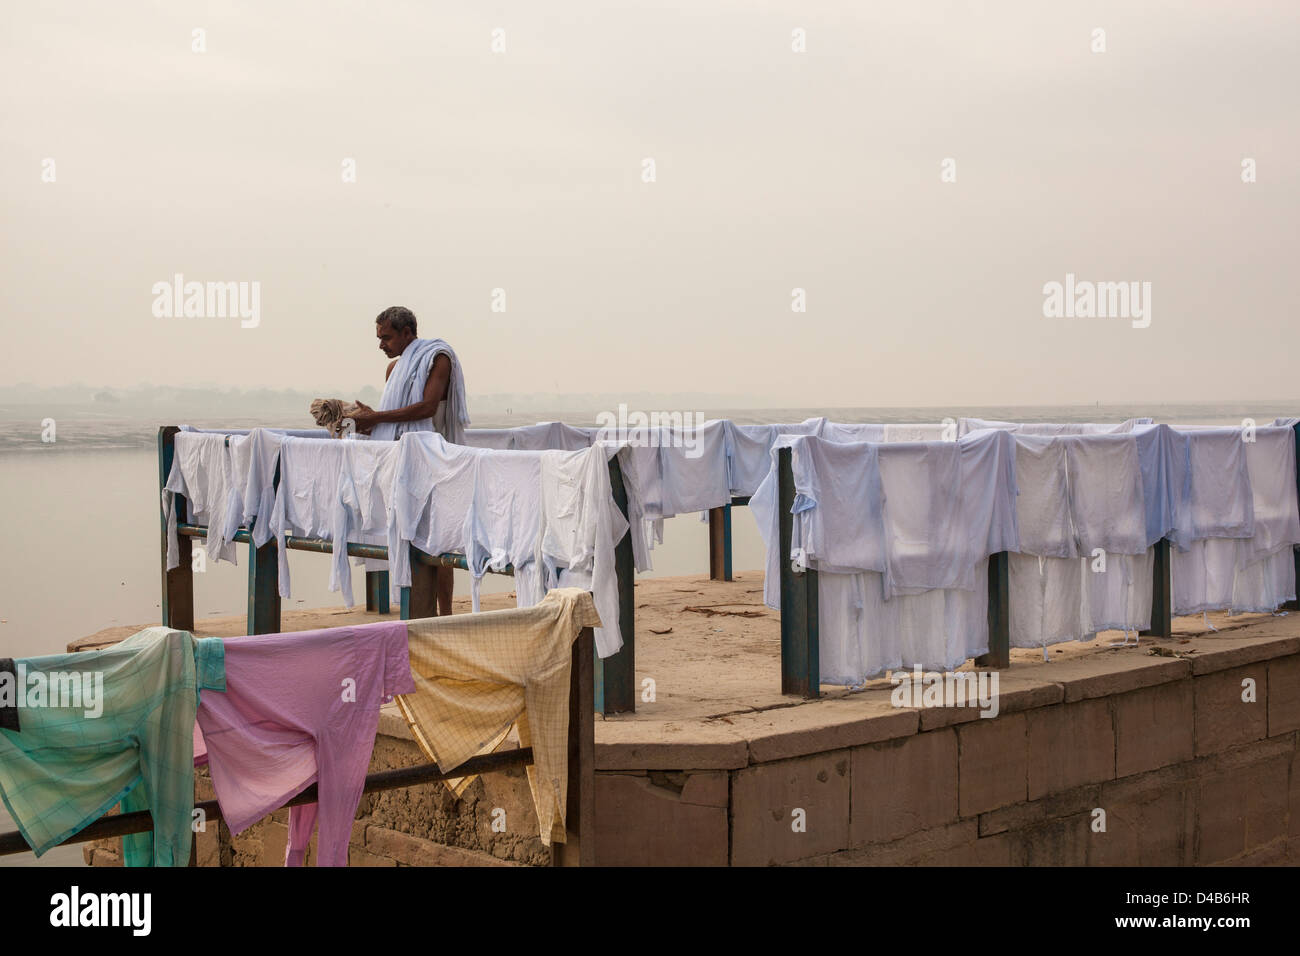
476, 674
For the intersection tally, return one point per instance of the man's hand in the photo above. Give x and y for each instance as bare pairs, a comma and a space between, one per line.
365, 417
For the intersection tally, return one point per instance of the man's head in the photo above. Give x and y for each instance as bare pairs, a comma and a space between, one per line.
395, 329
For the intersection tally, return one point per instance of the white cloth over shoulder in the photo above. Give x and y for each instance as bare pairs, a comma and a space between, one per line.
406, 384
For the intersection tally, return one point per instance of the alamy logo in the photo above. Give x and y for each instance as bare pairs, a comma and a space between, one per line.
953, 689
656, 429
53, 689
102, 909
208, 300
1098, 300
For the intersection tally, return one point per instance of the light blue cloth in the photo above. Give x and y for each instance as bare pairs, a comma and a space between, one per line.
1166, 484
71, 764
405, 386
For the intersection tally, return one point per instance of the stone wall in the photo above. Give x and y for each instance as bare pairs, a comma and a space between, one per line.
1185, 770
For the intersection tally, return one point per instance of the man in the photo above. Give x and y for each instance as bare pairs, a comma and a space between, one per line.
424, 390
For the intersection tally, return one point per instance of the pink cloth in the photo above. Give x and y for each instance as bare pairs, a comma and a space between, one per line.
299, 708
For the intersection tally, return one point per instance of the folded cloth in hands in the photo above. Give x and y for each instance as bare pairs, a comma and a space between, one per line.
330, 414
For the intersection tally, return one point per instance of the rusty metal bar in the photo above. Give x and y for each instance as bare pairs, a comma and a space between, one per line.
325, 546
720, 543
141, 821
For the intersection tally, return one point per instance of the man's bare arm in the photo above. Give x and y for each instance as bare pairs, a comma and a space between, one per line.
435, 390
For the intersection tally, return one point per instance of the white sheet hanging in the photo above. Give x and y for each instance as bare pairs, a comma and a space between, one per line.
749, 450
1084, 563
862, 635
928, 540
1220, 499
550, 436
203, 471
506, 523
694, 466
1166, 484
581, 525
501, 439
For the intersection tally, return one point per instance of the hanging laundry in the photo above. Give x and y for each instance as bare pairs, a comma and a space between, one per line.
1221, 502
581, 526
899, 534
967, 425
301, 708
642, 474
502, 439
1271, 463
1221, 518
862, 635
257, 461
928, 543
240, 471
433, 500
1226, 569
66, 769
475, 675
549, 436
1166, 484
551, 514
365, 492
1084, 563
506, 522
694, 468
203, 471
749, 450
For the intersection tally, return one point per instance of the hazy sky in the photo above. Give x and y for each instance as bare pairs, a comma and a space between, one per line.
775, 170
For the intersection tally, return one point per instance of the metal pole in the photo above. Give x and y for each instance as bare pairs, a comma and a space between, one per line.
800, 652
618, 672
999, 613
178, 583
1162, 612
580, 804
